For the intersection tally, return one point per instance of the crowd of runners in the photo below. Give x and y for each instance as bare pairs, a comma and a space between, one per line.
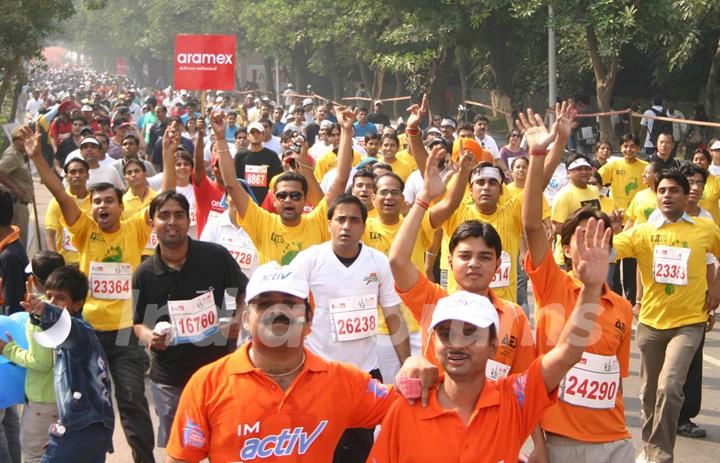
319, 282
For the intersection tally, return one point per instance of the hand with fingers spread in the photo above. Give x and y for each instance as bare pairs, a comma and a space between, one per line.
592, 243
564, 118
417, 113
33, 144
433, 185
33, 304
536, 134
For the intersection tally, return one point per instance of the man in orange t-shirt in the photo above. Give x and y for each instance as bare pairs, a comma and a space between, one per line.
475, 250
272, 397
588, 422
468, 417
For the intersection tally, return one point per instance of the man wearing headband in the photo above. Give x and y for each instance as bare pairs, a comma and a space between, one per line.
572, 197
273, 397
473, 419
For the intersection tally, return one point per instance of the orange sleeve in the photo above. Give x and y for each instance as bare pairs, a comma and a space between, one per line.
387, 445
421, 299
546, 279
525, 352
372, 399
529, 392
190, 434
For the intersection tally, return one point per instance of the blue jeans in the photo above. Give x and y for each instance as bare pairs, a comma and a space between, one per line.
9, 435
89, 445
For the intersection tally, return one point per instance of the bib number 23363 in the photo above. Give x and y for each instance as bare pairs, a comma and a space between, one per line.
670, 265
354, 317
110, 280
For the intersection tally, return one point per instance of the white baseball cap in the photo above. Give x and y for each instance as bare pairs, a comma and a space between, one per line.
466, 307
579, 162
90, 140
272, 277
308, 101
86, 107
434, 129
715, 146
257, 126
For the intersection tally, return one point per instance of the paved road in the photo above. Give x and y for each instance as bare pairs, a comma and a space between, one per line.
687, 450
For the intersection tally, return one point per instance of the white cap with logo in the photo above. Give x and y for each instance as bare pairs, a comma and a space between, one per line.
257, 126
465, 307
274, 278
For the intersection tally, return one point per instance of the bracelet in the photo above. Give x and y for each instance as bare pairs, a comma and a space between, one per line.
307, 166
422, 204
411, 131
222, 151
430, 254
538, 152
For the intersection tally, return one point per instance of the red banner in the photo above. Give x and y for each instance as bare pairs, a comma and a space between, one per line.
121, 66
205, 62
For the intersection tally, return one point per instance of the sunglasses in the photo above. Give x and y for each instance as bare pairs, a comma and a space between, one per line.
514, 135
294, 195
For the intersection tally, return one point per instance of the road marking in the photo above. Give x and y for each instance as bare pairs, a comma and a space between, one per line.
711, 359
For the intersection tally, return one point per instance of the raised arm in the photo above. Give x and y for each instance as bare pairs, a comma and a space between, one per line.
443, 210
170, 142
227, 166
199, 155
346, 118
33, 148
593, 245
414, 135
404, 272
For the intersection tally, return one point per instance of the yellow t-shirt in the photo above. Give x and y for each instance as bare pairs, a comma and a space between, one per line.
409, 159
373, 214
123, 246
276, 241
569, 199
507, 220
63, 242
625, 180
381, 236
133, 204
328, 161
664, 305
606, 204
641, 206
711, 196
401, 168
513, 190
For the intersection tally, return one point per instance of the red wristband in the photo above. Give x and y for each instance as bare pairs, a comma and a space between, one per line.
410, 131
422, 204
538, 152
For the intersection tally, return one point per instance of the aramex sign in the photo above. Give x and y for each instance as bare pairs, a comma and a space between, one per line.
204, 62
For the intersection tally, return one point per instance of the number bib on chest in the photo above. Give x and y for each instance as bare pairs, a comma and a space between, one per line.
353, 317
256, 175
592, 383
195, 319
152, 241
193, 217
110, 280
67, 241
496, 370
240, 248
670, 265
502, 274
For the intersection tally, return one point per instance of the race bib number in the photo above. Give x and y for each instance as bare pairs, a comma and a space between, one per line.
241, 249
110, 280
496, 370
353, 317
502, 274
67, 243
256, 175
195, 319
152, 241
592, 383
193, 217
670, 265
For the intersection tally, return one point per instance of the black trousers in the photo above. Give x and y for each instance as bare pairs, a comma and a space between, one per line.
692, 390
355, 444
127, 367
624, 282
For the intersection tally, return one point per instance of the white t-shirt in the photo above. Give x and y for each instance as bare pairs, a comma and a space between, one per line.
558, 180
413, 186
332, 284
649, 124
319, 149
221, 230
489, 144
33, 106
273, 144
329, 178
713, 169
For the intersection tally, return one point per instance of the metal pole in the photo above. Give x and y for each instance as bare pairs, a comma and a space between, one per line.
277, 82
552, 63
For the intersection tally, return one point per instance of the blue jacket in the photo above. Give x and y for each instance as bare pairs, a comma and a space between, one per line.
80, 367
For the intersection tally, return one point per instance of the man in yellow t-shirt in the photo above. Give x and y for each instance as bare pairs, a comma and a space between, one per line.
57, 238
363, 187
389, 148
329, 160
138, 197
671, 252
109, 249
280, 237
624, 175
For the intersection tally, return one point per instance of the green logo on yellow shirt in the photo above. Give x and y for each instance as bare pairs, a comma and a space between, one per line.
631, 185
115, 254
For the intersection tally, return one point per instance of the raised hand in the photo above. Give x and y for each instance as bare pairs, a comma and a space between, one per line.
417, 113
200, 125
217, 122
171, 139
467, 162
33, 304
537, 135
345, 116
564, 118
33, 144
433, 185
593, 248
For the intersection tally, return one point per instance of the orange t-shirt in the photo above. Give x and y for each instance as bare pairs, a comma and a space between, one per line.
556, 293
515, 343
232, 411
505, 414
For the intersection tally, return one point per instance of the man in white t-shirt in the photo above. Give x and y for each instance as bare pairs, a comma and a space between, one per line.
91, 151
34, 104
488, 143
349, 281
270, 141
715, 153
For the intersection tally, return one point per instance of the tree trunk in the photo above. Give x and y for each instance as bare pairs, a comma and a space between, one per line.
496, 36
335, 78
16, 98
437, 79
299, 60
365, 76
269, 75
8, 77
604, 83
377, 86
463, 71
711, 83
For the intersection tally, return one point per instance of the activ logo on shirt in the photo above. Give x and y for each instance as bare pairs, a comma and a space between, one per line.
289, 441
